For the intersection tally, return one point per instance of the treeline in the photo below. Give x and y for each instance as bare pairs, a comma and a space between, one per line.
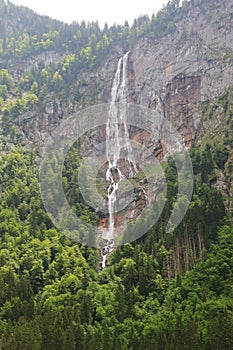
24, 33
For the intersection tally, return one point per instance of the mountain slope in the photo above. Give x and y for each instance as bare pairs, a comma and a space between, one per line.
167, 290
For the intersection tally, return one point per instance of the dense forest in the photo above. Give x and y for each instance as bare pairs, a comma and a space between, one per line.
164, 291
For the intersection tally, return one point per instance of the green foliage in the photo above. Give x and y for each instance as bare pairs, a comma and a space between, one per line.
6, 79
3, 92
53, 297
19, 106
56, 82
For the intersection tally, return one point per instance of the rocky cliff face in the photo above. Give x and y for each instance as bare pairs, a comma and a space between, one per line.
177, 73
201, 45
17, 66
191, 65
182, 69
181, 105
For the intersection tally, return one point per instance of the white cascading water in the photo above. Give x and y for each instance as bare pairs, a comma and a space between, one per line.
117, 140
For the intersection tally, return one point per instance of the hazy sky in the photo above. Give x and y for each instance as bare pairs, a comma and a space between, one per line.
109, 11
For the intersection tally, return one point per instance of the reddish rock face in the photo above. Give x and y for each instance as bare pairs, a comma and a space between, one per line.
181, 102
130, 212
103, 223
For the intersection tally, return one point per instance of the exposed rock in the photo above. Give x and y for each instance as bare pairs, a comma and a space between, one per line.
17, 66
181, 103
221, 183
196, 48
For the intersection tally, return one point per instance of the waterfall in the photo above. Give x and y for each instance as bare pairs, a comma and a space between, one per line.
117, 144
